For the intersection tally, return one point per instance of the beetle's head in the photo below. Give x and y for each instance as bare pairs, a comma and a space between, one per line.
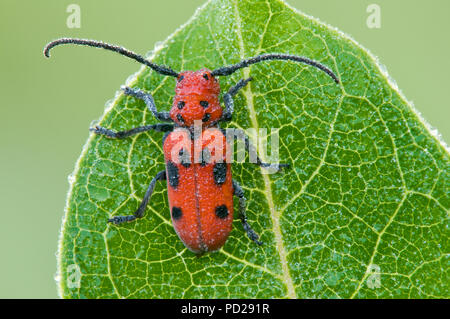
196, 98
197, 92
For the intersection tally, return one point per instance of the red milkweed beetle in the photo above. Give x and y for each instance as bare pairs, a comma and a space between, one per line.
200, 192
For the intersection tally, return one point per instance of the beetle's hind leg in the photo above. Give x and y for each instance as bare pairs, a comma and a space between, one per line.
242, 207
139, 213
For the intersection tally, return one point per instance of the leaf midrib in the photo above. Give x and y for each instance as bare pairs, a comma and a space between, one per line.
274, 214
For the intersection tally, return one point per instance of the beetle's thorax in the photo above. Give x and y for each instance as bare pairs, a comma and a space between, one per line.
196, 99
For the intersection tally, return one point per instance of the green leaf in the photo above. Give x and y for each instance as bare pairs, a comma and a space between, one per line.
363, 211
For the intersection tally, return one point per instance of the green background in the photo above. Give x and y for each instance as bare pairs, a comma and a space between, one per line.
47, 105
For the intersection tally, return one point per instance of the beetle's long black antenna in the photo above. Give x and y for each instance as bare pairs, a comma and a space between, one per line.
98, 44
227, 70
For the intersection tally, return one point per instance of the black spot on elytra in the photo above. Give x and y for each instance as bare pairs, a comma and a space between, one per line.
222, 211
180, 118
181, 104
220, 173
206, 117
204, 104
184, 158
205, 76
181, 78
176, 213
173, 174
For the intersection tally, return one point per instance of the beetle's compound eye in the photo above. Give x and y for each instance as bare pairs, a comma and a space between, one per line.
181, 104
181, 78
205, 76
205, 104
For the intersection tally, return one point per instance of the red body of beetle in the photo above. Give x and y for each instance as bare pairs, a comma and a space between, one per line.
200, 186
198, 178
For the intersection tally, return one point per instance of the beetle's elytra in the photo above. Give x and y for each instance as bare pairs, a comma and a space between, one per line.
200, 185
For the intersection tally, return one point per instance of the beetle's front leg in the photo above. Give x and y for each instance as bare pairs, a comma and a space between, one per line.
149, 101
228, 99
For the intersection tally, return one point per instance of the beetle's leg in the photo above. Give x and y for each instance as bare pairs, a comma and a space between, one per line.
242, 207
228, 99
159, 127
149, 101
140, 211
251, 150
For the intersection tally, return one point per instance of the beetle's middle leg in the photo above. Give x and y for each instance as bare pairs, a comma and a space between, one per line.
159, 127
251, 150
242, 207
139, 213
